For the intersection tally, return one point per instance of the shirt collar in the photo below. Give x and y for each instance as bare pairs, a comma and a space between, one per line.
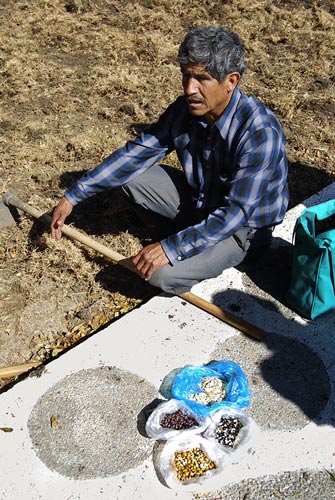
223, 123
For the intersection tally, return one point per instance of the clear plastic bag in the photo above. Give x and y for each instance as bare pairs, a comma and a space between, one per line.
187, 382
246, 435
155, 430
185, 443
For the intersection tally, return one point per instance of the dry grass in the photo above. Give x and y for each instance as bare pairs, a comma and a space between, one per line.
78, 77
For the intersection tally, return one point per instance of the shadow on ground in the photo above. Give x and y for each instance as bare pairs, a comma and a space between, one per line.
288, 370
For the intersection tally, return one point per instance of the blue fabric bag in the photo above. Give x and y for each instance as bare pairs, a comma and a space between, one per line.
312, 289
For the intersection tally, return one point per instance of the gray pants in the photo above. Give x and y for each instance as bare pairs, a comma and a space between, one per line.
163, 199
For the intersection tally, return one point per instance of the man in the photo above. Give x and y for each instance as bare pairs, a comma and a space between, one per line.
232, 189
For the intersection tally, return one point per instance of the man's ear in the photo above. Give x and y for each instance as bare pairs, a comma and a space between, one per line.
232, 80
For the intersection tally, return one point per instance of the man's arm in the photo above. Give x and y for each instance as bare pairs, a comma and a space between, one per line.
120, 167
128, 161
257, 197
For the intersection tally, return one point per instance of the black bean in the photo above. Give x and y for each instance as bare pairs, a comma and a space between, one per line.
228, 430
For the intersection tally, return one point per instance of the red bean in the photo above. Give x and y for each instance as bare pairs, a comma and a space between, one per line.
178, 420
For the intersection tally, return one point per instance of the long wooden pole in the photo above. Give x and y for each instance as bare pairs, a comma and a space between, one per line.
239, 323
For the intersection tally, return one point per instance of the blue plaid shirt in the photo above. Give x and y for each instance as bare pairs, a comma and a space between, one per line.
237, 169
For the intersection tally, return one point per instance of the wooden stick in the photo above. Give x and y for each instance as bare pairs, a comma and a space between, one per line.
14, 371
239, 323
242, 325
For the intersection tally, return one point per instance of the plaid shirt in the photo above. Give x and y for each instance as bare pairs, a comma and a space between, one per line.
237, 169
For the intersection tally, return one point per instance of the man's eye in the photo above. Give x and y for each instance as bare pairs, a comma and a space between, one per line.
199, 78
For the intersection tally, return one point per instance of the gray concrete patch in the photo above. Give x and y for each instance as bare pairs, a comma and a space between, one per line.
87, 425
299, 485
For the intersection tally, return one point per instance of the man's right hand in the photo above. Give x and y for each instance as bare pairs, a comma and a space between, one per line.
62, 210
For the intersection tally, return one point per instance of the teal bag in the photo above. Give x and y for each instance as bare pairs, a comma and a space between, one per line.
312, 288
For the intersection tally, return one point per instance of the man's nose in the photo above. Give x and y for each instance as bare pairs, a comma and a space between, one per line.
190, 86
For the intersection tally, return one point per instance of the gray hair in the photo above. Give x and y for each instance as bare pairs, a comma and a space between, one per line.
220, 51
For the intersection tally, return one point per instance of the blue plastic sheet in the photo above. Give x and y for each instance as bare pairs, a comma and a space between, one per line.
188, 381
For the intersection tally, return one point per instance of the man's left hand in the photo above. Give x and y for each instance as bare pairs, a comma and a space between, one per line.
149, 259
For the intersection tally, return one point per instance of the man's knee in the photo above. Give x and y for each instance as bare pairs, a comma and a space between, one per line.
131, 190
164, 279
160, 278
260, 244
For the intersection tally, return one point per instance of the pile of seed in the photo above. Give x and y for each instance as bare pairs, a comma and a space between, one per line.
214, 390
192, 463
178, 420
227, 430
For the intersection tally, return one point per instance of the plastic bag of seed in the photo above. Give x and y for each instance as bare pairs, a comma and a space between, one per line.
191, 463
172, 417
188, 386
232, 429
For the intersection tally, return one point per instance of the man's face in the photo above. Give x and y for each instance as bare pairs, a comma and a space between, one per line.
206, 96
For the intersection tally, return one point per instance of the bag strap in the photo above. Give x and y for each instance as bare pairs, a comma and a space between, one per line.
307, 220
315, 213
331, 264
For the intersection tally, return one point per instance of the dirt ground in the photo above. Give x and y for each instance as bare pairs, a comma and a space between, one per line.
79, 77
